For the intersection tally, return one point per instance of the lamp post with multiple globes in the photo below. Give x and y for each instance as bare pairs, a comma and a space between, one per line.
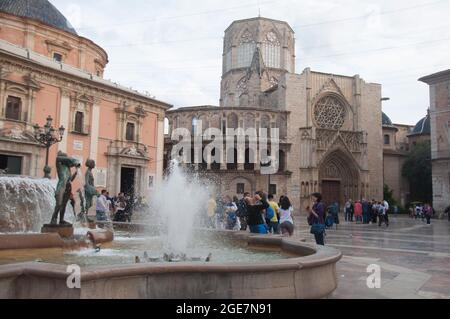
48, 136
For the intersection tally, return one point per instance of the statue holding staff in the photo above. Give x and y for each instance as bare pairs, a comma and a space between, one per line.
89, 187
63, 191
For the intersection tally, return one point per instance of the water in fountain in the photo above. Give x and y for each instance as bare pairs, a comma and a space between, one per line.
70, 215
179, 203
25, 203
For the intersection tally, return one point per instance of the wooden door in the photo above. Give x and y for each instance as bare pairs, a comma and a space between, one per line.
331, 192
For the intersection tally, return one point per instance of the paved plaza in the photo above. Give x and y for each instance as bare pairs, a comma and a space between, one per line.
414, 258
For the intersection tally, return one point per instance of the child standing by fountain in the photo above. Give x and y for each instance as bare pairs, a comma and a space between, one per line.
286, 220
230, 211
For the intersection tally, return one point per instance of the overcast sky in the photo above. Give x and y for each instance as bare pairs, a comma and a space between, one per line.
173, 48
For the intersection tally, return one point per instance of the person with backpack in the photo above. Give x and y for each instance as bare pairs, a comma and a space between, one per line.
329, 220
317, 217
382, 215
334, 209
272, 216
230, 212
286, 220
242, 212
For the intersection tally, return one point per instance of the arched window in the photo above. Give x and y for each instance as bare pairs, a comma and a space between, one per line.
271, 50
204, 164
130, 133
79, 122
249, 160
13, 108
246, 49
166, 126
387, 140
214, 165
194, 125
281, 161
232, 159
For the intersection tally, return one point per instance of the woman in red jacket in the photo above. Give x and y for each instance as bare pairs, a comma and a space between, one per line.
358, 209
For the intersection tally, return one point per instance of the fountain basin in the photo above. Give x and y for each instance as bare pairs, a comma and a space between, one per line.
52, 240
310, 273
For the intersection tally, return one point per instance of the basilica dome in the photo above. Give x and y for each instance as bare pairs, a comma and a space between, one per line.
41, 10
423, 127
386, 121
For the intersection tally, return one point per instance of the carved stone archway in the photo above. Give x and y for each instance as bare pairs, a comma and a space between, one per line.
339, 178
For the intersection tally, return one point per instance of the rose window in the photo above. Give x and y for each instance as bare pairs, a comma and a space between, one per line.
329, 113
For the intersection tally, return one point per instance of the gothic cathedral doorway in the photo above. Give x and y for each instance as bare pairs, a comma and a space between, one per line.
339, 177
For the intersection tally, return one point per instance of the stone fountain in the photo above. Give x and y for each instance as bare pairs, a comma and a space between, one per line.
26, 203
241, 265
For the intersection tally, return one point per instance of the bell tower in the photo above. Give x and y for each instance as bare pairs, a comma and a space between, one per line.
256, 53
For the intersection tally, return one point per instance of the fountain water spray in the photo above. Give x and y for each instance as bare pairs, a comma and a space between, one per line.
25, 203
179, 202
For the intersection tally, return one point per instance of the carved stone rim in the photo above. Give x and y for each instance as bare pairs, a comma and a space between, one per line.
317, 256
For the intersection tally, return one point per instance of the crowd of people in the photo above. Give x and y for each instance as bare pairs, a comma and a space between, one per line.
424, 212
119, 208
262, 214
258, 213
367, 212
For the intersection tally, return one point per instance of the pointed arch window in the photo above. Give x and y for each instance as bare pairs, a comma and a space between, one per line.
271, 50
246, 49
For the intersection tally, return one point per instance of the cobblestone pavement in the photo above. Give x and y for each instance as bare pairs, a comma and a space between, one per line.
414, 258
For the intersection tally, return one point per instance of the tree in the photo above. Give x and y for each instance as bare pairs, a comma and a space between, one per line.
389, 196
417, 169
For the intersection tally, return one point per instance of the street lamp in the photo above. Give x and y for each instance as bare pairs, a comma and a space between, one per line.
47, 136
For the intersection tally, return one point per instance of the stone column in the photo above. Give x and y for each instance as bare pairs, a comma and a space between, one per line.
64, 119
2, 100
357, 101
159, 149
95, 130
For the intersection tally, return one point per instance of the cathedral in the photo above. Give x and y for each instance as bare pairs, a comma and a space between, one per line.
330, 126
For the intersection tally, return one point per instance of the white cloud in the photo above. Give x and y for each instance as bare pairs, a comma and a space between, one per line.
173, 48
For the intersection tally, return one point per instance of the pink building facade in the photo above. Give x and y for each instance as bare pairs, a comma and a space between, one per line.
46, 69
